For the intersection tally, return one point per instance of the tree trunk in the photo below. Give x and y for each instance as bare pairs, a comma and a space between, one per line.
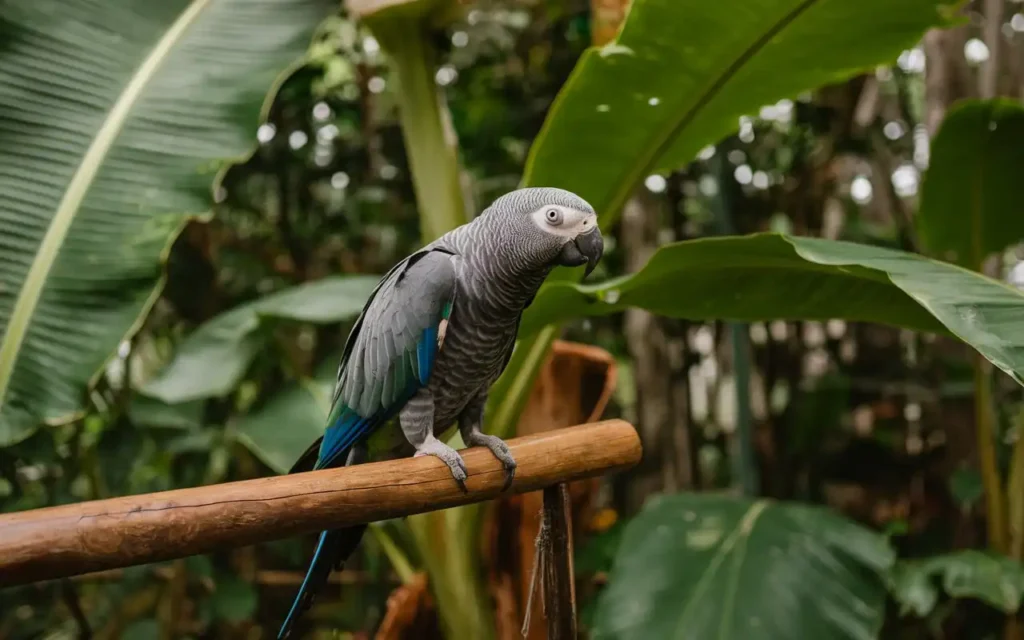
658, 350
947, 76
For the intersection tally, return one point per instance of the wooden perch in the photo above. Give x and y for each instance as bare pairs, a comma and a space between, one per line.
104, 534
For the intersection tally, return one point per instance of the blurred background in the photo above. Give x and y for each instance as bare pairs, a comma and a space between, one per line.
826, 454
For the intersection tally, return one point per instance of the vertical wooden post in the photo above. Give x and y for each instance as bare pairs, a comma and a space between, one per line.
573, 387
559, 583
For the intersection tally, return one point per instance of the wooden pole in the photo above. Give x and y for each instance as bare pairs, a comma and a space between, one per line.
104, 534
559, 580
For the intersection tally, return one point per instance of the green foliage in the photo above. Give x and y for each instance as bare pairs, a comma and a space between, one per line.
970, 200
233, 599
144, 629
213, 359
279, 430
152, 413
724, 62
158, 103
965, 487
703, 566
995, 580
678, 78
752, 278
765, 276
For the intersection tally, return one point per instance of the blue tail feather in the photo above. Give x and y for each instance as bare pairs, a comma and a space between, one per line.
305, 594
332, 549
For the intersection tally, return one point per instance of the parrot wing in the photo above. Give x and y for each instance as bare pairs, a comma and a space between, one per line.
391, 350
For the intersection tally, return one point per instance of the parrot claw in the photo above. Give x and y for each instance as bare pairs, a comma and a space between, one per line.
448, 456
510, 475
500, 451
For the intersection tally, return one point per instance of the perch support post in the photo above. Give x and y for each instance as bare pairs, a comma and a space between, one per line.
559, 585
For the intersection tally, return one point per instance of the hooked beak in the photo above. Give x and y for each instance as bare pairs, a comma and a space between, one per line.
587, 248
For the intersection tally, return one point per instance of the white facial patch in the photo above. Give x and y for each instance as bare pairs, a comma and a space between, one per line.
563, 221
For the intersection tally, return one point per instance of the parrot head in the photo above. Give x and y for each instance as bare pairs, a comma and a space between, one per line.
548, 227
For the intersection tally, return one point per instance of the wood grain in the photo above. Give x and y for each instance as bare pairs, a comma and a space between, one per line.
104, 534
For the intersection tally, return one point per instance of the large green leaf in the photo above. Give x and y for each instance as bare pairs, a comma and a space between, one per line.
114, 117
765, 276
682, 72
279, 430
996, 580
149, 412
212, 360
970, 199
705, 566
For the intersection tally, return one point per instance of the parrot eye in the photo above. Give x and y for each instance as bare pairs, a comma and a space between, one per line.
553, 216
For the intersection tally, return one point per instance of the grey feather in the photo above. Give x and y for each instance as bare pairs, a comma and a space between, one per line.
409, 299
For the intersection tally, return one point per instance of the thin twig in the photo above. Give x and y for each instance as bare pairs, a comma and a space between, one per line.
542, 541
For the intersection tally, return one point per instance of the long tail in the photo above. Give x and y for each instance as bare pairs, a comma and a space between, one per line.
332, 550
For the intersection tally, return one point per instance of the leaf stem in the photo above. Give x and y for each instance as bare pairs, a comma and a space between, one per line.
742, 455
1015, 493
399, 562
430, 141
1014, 630
744, 464
995, 504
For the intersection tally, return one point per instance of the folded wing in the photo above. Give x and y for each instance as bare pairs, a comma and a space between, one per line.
391, 350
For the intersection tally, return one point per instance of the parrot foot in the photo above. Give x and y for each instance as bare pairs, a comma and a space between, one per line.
449, 456
500, 451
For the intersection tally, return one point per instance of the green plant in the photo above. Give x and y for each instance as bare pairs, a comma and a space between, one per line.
967, 214
656, 100
128, 161
213, 359
698, 566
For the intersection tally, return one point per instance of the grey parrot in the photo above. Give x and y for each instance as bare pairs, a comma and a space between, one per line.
435, 334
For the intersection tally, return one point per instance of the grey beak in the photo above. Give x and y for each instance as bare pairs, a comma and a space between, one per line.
585, 249
591, 245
